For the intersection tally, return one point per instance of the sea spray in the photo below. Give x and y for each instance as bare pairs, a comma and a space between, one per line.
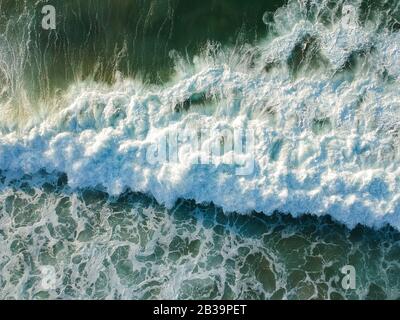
82, 204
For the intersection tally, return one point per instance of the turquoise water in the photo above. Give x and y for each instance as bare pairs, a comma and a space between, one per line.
84, 216
131, 247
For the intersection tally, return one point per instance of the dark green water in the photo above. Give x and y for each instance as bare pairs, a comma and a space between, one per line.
95, 38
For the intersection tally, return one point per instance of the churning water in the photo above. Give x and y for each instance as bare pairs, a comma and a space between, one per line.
91, 206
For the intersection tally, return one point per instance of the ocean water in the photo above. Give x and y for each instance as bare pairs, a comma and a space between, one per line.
217, 149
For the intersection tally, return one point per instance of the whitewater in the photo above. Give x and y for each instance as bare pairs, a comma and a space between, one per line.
323, 99
162, 150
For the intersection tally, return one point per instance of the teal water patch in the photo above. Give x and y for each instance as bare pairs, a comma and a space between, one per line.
129, 247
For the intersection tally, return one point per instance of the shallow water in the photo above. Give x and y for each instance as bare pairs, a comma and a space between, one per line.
131, 247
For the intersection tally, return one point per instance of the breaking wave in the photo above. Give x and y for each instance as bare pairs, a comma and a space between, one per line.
320, 94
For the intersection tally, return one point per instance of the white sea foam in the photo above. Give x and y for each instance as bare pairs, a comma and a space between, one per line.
326, 142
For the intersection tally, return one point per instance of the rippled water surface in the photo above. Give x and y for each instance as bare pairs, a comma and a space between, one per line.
131, 247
